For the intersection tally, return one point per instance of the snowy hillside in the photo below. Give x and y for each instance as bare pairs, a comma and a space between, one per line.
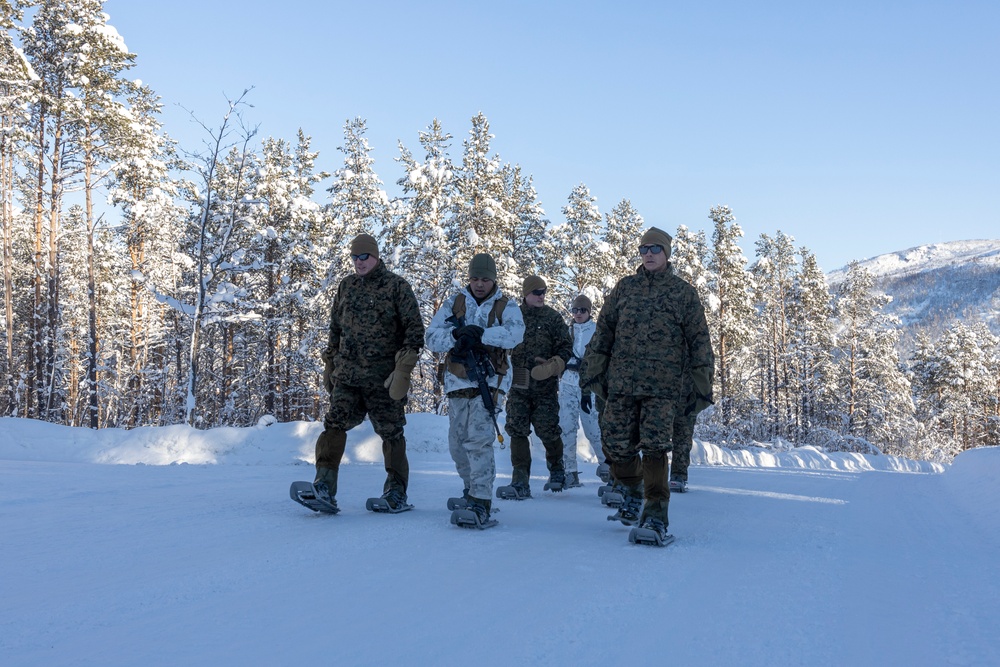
798, 558
933, 285
928, 258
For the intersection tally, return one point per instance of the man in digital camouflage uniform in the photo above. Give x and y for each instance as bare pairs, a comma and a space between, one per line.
376, 335
534, 396
651, 333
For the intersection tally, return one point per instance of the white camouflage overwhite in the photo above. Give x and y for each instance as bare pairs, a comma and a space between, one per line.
570, 414
470, 426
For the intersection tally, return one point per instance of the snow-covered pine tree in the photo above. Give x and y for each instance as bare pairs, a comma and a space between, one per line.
955, 386
284, 223
422, 248
623, 227
689, 259
358, 204
528, 232
51, 44
145, 192
731, 321
100, 130
811, 332
480, 222
876, 404
16, 76
577, 242
774, 273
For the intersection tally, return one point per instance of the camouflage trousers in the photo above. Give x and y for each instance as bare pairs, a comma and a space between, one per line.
527, 410
683, 441
638, 432
538, 410
348, 407
470, 442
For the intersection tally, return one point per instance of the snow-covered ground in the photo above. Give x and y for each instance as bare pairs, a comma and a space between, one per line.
192, 553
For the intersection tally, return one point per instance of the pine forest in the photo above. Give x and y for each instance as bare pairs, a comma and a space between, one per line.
146, 286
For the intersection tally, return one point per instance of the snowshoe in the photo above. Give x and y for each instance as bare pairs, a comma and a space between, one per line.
460, 503
514, 492
476, 516
557, 478
678, 484
652, 532
314, 496
629, 509
604, 473
601, 490
612, 497
392, 501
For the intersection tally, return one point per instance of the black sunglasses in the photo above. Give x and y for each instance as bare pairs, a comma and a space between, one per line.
655, 249
577, 311
362, 257
538, 292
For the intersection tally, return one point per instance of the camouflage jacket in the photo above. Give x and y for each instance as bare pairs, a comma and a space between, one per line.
653, 331
545, 335
373, 317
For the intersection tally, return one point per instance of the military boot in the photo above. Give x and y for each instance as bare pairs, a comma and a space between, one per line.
325, 485
482, 509
629, 511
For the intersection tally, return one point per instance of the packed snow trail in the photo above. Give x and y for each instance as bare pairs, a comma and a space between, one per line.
123, 565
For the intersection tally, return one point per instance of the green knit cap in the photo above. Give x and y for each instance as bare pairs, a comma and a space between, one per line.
482, 266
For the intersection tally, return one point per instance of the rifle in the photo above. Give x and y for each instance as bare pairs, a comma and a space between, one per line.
479, 369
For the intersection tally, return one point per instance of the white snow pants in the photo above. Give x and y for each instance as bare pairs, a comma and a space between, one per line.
570, 418
470, 441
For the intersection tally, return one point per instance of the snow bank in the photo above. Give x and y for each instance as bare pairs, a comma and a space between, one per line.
272, 443
807, 457
973, 480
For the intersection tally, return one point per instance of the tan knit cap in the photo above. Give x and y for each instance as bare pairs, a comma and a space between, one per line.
655, 236
531, 283
364, 243
583, 302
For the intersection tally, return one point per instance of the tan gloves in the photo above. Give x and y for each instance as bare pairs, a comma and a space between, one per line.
398, 382
546, 368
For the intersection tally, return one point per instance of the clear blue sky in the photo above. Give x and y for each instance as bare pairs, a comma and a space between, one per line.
858, 128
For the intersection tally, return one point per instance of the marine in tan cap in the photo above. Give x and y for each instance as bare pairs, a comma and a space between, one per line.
534, 396
650, 337
376, 334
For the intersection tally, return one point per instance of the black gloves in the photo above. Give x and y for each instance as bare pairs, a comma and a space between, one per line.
585, 403
466, 337
573, 364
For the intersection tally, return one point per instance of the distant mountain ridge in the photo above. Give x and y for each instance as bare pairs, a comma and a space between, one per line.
933, 285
